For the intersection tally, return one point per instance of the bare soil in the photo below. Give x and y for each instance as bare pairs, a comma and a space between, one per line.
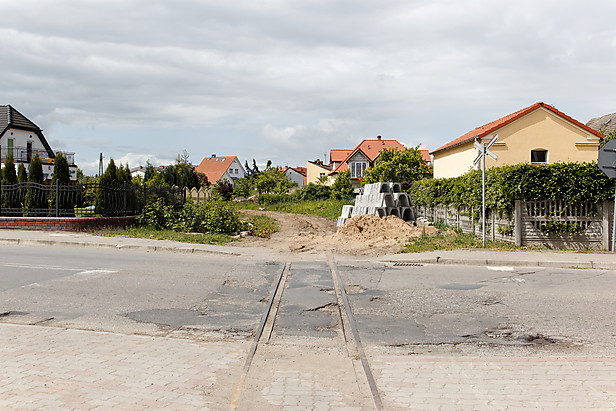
361, 235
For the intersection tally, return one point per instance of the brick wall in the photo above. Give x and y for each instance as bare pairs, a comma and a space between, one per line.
64, 223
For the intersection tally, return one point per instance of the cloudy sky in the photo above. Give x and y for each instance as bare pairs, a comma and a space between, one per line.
288, 80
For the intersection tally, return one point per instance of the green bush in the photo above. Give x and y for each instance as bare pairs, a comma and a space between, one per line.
157, 215
220, 218
342, 187
570, 182
312, 191
270, 199
214, 216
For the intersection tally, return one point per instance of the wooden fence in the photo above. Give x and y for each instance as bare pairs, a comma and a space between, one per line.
549, 223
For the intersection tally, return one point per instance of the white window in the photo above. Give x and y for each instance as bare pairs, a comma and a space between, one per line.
357, 169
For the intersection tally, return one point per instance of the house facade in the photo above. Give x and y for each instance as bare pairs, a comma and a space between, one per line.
316, 170
538, 134
226, 168
361, 158
23, 139
296, 175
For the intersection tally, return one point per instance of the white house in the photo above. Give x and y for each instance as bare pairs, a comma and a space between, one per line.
217, 168
296, 174
22, 138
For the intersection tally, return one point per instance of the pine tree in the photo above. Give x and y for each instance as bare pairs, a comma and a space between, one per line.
35, 194
61, 177
9, 178
22, 174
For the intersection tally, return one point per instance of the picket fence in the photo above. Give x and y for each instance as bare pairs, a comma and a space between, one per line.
200, 195
524, 226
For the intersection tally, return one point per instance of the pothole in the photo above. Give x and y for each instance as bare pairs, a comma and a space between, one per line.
329, 307
354, 289
12, 313
510, 335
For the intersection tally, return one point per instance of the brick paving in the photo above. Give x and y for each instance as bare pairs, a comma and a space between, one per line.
563, 383
54, 368
294, 390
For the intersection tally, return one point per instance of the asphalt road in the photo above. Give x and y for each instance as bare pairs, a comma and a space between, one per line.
415, 308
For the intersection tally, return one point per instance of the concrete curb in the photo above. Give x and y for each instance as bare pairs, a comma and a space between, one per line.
470, 261
187, 250
506, 262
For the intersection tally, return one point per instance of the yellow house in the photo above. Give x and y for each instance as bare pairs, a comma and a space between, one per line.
538, 134
315, 170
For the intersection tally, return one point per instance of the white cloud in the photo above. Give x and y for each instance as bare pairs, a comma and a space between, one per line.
206, 76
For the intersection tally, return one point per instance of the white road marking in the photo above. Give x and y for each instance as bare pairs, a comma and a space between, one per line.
497, 268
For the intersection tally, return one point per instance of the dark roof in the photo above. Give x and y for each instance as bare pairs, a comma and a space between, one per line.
11, 118
604, 124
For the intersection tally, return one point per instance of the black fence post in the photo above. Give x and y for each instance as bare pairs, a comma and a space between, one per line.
125, 203
57, 198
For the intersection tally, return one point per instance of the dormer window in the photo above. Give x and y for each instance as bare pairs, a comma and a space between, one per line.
357, 169
539, 156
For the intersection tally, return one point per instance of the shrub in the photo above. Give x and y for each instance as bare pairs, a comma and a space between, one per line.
571, 182
214, 216
157, 215
342, 187
270, 199
225, 189
220, 218
312, 191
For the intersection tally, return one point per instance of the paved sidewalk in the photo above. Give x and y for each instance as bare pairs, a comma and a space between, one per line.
507, 383
544, 258
44, 368
478, 256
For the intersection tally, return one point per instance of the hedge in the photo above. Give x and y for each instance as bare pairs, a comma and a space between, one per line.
571, 182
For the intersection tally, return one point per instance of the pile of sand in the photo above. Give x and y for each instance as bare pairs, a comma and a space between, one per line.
372, 230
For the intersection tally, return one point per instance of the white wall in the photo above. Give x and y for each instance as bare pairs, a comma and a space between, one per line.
294, 176
20, 139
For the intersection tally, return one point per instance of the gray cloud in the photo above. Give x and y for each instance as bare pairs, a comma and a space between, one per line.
289, 80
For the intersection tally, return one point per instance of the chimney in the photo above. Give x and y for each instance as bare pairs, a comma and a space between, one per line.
213, 155
378, 138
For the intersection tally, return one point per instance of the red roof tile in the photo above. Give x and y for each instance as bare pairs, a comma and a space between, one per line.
215, 167
337, 155
371, 149
501, 122
425, 155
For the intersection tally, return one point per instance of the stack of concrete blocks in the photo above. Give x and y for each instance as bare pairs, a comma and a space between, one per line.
380, 199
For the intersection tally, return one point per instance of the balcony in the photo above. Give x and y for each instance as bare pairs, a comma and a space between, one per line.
25, 154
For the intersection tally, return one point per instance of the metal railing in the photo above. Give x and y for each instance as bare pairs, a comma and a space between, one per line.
25, 154
82, 200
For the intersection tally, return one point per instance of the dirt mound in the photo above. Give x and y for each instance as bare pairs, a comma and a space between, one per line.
360, 235
375, 231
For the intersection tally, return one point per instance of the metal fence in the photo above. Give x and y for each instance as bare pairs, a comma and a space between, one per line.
82, 200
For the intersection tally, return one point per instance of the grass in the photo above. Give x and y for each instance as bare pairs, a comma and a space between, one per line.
452, 242
259, 226
144, 232
330, 209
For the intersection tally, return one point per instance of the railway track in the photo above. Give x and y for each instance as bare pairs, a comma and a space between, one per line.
295, 283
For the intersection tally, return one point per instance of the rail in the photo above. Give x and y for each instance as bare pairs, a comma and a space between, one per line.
268, 318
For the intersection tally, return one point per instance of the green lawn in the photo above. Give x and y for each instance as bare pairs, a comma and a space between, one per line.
323, 208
